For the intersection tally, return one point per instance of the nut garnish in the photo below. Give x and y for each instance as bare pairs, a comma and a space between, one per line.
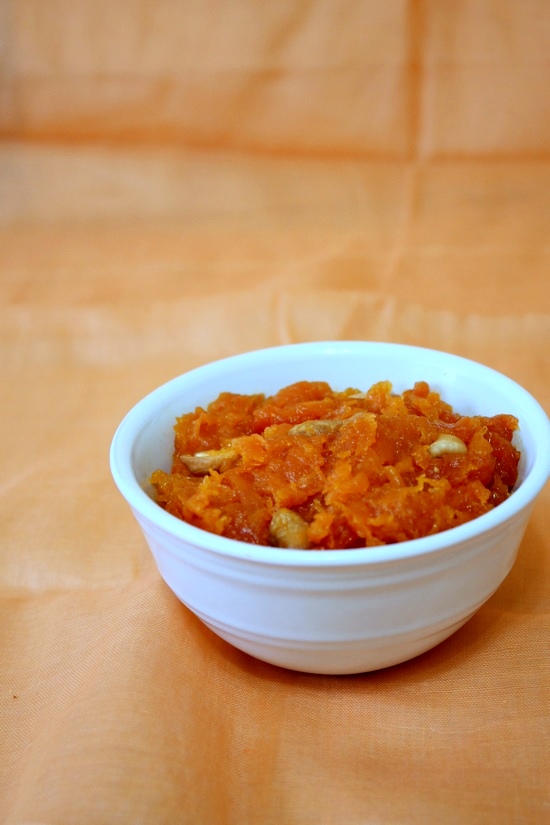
201, 463
288, 529
317, 426
447, 444
321, 426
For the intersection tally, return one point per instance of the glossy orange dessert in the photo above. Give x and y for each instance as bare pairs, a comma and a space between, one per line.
312, 468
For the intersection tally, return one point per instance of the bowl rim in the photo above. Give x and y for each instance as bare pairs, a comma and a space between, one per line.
140, 414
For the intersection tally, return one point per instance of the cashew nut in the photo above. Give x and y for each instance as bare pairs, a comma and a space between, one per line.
288, 529
447, 444
318, 426
321, 426
201, 463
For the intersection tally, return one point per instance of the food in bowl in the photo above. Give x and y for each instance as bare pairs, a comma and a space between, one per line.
314, 468
335, 611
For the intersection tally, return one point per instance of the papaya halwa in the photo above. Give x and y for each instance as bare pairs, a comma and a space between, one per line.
315, 469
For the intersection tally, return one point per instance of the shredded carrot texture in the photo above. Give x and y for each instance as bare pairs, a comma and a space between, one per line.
336, 470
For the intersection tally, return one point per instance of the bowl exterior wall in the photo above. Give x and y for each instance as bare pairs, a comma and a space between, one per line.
337, 619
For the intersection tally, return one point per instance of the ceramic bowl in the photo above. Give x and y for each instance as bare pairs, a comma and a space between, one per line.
338, 611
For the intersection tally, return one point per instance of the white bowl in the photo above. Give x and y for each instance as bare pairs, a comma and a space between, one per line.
336, 611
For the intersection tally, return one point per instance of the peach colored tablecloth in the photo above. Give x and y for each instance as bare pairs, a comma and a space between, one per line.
185, 181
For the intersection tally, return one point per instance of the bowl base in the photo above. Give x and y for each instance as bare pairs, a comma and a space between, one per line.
361, 656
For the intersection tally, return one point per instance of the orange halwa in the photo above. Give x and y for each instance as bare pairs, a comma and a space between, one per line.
318, 469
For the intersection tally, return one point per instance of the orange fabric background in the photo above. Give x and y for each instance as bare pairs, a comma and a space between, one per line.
181, 181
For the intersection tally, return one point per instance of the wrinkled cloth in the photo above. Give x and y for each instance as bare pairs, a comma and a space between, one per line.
184, 181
